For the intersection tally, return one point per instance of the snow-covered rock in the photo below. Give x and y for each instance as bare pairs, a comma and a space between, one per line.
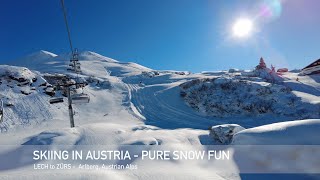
50, 91
234, 70
26, 91
20, 74
224, 133
227, 96
269, 75
248, 73
150, 74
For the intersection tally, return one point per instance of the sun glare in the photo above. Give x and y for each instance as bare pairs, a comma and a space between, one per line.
242, 28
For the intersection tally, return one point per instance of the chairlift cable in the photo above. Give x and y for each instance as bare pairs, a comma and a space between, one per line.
76, 67
67, 26
69, 34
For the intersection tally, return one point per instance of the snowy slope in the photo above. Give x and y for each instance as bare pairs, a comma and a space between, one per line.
154, 97
30, 110
291, 146
132, 105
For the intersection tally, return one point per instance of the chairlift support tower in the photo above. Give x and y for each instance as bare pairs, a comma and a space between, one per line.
70, 108
74, 62
75, 66
72, 99
1, 111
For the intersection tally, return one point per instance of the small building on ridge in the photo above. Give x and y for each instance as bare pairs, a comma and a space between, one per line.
313, 68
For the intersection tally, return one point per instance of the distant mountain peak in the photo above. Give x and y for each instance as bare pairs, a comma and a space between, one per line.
91, 63
42, 53
90, 55
38, 57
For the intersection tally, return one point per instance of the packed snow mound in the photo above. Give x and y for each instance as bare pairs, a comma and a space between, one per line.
20, 74
229, 96
299, 132
286, 147
224, 133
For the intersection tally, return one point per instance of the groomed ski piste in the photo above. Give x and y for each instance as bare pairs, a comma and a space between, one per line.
134, 105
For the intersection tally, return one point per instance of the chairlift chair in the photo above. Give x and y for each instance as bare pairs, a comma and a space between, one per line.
80, 98
56, 100
1, 111
77, 70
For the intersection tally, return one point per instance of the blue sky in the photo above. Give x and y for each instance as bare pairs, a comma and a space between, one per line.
166, 34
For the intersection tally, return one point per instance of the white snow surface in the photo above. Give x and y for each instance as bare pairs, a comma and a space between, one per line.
16, 72
134, 105
299, 132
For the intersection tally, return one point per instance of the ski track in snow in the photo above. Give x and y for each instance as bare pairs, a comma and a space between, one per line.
163, 107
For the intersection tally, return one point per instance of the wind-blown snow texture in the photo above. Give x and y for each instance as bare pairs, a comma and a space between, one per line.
133, 105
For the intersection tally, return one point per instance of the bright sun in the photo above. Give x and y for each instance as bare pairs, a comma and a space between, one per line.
242, 28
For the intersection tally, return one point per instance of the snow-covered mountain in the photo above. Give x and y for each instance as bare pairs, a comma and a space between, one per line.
39, 57
45, 61
134, 105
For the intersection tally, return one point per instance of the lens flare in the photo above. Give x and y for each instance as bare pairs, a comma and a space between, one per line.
270, 9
